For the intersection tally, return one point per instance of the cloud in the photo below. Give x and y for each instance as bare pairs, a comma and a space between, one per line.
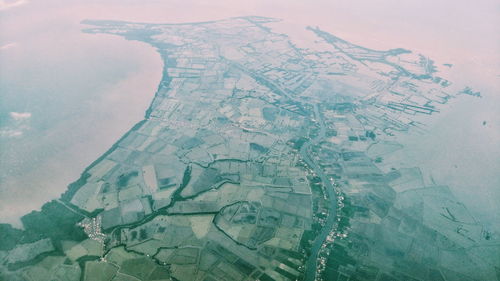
8, 46
18, 125
7, 4
11, 133
19, 116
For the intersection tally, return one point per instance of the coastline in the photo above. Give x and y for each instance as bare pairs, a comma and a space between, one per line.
73, 187
50, 181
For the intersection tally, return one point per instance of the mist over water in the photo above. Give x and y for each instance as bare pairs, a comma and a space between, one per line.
77, 94
84, 91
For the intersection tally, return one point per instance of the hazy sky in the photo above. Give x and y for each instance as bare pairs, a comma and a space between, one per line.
47, 52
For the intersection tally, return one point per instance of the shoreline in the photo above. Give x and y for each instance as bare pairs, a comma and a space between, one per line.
73, 187
39, 178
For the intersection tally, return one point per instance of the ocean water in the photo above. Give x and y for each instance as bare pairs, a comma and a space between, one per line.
65, 98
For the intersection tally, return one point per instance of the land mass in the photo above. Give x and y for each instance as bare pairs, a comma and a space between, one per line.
259, 159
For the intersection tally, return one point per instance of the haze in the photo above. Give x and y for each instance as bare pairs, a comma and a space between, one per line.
55, 61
